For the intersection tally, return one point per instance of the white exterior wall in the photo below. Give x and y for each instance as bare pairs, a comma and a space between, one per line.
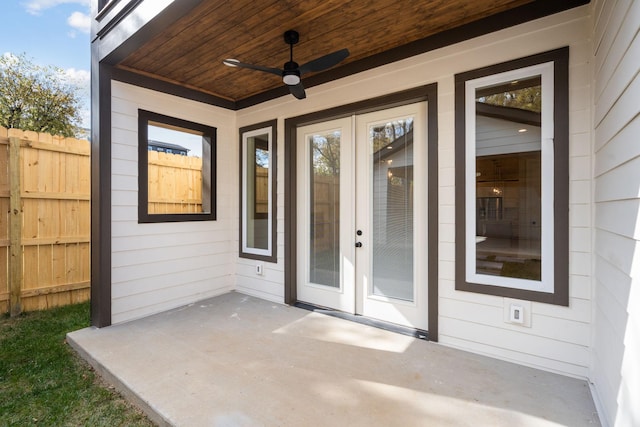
156, 267
616, 80
559, 338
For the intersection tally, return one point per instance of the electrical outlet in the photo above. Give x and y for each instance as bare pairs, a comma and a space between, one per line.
516, 314
259, 270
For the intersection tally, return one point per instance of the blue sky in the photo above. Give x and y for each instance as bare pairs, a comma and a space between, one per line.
50, 32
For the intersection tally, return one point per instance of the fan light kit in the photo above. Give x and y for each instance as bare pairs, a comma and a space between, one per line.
291, 71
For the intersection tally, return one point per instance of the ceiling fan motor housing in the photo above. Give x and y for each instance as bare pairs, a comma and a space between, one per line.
291, 73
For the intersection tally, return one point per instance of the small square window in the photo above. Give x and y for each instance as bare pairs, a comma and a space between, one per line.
176, 169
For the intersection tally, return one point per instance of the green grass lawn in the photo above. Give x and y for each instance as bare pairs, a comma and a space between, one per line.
44, 383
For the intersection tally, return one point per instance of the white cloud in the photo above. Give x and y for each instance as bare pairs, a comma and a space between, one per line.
85, 117
80, 21
80, 76
82, 79
35, 7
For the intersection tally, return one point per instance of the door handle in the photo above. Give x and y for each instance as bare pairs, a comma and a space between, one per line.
358, 244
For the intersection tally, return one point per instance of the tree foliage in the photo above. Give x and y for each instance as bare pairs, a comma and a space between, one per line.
529, 98
326, 147
383, 135
326, 154
36, 98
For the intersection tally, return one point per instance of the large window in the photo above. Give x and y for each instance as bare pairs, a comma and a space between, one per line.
258, 185
512, 180
176, 171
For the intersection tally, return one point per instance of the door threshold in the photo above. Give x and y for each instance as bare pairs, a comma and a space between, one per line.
387, 326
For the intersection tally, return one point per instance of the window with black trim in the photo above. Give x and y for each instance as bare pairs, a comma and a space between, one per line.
512, 182
257, 191
176, 169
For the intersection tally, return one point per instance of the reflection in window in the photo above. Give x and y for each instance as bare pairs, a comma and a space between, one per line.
325, 209
391, 147
175, 171
256, 192
174, 166
508, 179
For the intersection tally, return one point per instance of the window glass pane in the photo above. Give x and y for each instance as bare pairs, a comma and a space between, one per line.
257, 191
392, 203
325, 209
175, 170
508, 179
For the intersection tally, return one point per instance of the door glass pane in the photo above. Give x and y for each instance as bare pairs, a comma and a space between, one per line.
324, 183
508, 179
392, 205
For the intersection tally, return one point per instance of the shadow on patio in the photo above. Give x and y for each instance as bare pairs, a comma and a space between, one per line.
236, 360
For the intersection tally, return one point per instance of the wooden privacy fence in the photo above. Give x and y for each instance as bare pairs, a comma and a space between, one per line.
45, 220
175, 183
326, 211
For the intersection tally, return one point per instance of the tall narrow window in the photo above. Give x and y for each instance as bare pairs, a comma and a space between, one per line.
258, 180
176, 169
512, 183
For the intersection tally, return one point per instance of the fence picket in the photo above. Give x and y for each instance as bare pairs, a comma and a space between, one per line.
44, 237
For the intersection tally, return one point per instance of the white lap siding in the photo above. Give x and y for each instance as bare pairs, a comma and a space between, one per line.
559, 338
160, 266
616, 80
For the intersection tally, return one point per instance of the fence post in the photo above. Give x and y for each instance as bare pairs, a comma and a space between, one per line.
15, 228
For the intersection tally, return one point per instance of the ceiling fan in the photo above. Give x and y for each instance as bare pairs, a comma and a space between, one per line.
291, 71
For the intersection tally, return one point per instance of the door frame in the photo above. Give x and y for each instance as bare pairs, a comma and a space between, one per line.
427, 93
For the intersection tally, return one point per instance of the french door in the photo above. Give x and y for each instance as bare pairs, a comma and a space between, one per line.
362, 209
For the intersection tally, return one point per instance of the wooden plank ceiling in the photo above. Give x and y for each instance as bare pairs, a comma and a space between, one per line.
190, 51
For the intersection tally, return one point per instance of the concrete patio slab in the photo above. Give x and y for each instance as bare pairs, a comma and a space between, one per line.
236, 360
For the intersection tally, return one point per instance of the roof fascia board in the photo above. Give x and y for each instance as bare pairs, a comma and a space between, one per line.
108, 18
133, 24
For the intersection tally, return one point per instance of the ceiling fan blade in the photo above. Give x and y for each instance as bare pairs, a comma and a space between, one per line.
324, 62
236, 63
298, 91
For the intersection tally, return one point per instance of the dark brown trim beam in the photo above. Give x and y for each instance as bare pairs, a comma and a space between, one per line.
432, 210
170, 88
507, 113
100, 194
